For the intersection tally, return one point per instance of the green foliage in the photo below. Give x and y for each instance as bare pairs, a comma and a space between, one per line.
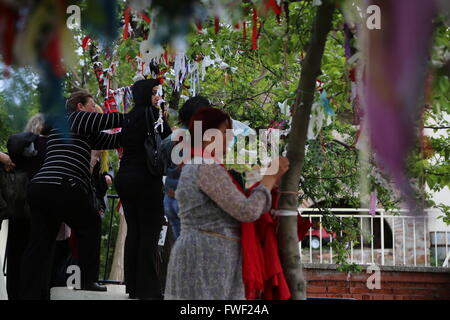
19, 100
250, 84
446, 210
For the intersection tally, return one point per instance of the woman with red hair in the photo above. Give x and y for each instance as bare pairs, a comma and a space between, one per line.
206, 260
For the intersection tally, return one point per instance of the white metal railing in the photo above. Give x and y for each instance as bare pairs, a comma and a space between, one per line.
411, 243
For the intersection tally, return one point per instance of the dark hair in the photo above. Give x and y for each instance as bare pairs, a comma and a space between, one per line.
211, 118
142, 92
190, 107
79, 96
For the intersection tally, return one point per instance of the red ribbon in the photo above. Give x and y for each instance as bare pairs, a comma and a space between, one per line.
255, 30
199, 26
273, 4
216, 25
166, 57
85, 42
8, 33
146, 18
127, 21
244, 26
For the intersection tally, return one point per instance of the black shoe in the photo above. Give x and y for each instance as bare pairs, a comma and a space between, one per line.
94, 286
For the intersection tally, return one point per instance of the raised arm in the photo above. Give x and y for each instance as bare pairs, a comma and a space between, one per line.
82, 122
214, 180
105, 141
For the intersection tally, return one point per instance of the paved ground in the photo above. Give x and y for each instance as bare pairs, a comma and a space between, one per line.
115, 292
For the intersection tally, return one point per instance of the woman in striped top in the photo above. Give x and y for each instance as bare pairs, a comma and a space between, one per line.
60, 192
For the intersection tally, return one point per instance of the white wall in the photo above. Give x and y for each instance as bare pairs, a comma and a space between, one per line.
442, 197
3, 236
435, 223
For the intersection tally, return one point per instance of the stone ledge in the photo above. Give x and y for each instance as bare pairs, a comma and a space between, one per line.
323, 266
115, 292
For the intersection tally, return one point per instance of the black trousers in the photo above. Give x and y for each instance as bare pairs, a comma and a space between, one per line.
50, 206
18, 236
142, 199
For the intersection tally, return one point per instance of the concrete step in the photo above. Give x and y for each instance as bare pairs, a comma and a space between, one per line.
115, 292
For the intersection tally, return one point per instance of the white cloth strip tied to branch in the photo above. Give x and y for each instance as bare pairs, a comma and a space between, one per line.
285, 213
180, 70
160, 121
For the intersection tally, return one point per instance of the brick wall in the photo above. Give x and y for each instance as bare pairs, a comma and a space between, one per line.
397, 283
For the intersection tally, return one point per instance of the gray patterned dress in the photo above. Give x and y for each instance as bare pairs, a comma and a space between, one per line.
206, 261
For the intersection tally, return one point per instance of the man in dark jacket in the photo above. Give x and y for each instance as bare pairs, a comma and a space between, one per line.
172, 170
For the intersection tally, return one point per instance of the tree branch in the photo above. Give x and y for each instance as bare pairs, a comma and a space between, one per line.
287, 232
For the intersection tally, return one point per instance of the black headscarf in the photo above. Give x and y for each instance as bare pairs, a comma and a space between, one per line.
142, 92
134, 130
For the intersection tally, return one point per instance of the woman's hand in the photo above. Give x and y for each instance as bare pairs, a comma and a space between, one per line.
108, 180
276, 170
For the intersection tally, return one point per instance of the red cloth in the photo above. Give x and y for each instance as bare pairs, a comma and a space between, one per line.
127, 22
275, 285
262, 272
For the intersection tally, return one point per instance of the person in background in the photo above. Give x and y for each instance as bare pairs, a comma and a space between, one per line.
60, 192
19, 227
101, 179
206, 261
102, 173
172, 170
141, 194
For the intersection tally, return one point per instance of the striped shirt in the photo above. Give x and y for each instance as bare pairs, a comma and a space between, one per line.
68, 154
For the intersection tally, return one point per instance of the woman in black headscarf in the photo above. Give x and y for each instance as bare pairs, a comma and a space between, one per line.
141, 194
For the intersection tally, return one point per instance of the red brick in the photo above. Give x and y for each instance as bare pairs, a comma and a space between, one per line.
368, 291
394, 285
334, 295
376, 296
314, 295
314, 289
415, 297
359, 276
386, 284
430, 277
411, 291
436, 285
342, 284
317, 283
328, 276
358, 284
338, 290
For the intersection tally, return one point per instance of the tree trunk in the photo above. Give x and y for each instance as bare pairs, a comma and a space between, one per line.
287, 235
117, 267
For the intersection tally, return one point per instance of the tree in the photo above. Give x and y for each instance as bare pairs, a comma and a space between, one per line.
287, 233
